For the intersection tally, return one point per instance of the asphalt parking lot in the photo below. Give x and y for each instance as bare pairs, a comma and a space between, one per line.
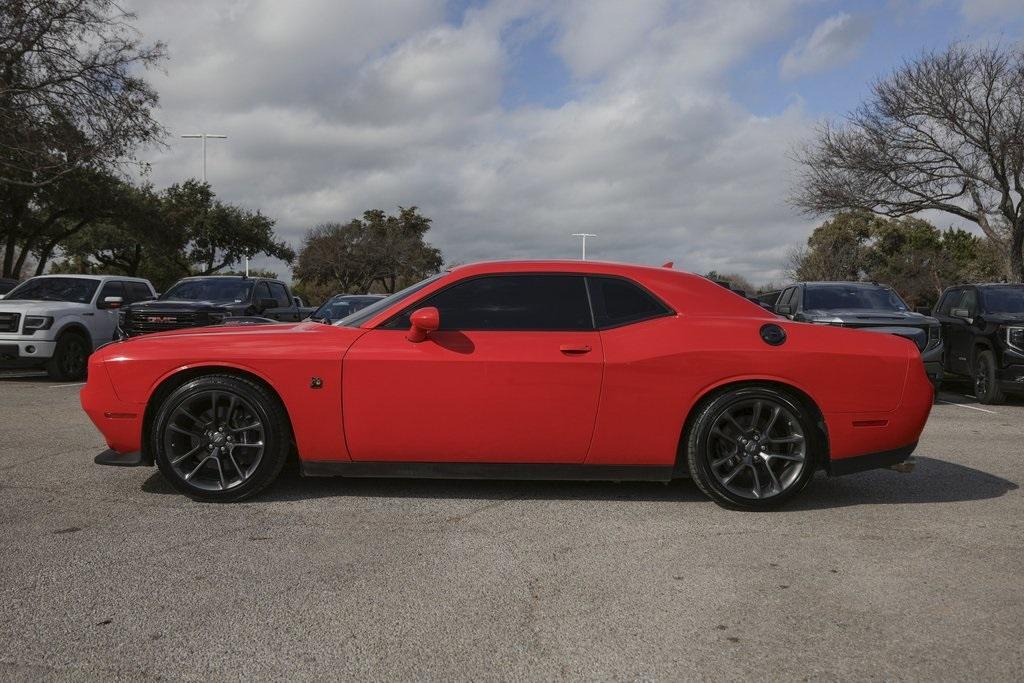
106, 573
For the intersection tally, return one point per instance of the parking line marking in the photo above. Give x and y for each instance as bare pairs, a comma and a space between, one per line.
950, 403
58, 386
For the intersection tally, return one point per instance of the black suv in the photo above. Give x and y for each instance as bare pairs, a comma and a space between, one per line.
866, 305
210, 300
983, 329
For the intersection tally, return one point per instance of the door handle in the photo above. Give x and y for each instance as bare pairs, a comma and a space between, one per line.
574, 348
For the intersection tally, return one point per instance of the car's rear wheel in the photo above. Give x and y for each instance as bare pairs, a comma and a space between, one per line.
752, 447
221, 438
70, 359
986, 385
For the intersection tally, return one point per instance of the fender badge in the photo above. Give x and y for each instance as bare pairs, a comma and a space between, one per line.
315, 383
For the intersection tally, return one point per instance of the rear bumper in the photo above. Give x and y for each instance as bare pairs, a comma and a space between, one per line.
870, 461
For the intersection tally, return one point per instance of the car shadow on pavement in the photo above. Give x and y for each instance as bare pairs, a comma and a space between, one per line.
934, 481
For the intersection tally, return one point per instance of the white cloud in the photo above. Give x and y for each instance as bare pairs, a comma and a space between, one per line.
337, 107
834, 42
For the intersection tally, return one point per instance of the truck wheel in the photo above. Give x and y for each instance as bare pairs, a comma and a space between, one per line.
70, 358
986, 386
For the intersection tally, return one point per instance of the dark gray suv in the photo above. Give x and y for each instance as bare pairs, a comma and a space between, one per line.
867, 305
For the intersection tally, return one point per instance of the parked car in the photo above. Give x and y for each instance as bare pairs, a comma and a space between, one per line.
342, 305
868, 306
543, 369
767, 300
6, 285
210, 300
56, 321
983, 330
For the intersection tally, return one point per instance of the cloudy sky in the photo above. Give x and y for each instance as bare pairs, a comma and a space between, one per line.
662, 126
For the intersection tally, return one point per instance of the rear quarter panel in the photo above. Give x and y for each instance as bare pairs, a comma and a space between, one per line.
656, 372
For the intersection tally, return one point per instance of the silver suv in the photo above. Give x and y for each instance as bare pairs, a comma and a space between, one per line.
56, 321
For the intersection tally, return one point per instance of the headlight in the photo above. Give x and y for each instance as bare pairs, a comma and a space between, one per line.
934, 336
1015, 337
36, 322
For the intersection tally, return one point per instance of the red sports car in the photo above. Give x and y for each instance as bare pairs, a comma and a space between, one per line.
520, 370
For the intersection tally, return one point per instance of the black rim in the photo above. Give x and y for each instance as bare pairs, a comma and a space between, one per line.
72, 361
214, 440
981, 379
757, 449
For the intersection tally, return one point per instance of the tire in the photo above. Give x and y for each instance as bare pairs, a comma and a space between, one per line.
986, 386
70, 361
752, 439
220, 438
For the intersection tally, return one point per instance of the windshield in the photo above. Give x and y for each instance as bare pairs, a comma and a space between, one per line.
838, 297
1003, 299
215, 289
360, 317
74, 289
341, 306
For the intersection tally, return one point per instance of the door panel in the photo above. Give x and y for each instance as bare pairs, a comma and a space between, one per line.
474, 396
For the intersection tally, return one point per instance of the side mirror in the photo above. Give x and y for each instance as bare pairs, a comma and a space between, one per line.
267, 303
784, 309
423, 321
923, 310
111, 302
961, 313
297, 301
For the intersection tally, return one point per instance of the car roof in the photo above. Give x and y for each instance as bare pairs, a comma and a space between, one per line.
561, 266
846, 283
229, 277
80, 276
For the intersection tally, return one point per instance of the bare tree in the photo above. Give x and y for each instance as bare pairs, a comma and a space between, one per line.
944, 132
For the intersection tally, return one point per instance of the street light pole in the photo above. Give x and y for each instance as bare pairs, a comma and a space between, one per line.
204, 137
583, 243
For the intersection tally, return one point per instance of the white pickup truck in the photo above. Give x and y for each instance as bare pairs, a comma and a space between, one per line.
56, 321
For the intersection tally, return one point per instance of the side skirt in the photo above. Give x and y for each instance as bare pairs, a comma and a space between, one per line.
476, 470
871, 461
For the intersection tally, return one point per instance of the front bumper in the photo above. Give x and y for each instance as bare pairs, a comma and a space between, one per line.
1011, 378
119, 422
21, 352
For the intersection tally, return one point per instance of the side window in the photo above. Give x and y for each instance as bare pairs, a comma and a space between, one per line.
261, 292
279, 293
785, 297
136, 291
950, 301
509, 302
111, 288
970, 302
620, 302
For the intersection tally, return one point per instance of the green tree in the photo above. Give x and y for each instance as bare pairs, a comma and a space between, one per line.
377, 250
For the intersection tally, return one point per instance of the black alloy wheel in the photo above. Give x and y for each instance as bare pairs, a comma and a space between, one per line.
752, 447
221, 438
986, 384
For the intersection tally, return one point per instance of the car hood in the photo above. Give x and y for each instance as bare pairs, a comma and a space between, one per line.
169, 306
861, 316
40, 307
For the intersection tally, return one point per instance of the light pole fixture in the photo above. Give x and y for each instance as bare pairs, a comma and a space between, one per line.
583, 243
204, 137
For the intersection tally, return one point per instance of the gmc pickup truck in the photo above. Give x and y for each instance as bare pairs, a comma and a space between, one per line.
212, 300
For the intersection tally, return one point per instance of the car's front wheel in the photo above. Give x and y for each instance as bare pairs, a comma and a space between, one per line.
70, 357
986, 385
752, 447
220, 438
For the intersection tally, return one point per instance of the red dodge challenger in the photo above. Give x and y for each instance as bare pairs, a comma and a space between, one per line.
519, 370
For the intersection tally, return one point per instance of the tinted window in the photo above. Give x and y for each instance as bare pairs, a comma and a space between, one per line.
951, 297
136, 291
969, 301
618, 302
73, 289
280, 294
112, 288
510, 302
1003, 299
785, 298
839, 297
262, 292
213, 289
